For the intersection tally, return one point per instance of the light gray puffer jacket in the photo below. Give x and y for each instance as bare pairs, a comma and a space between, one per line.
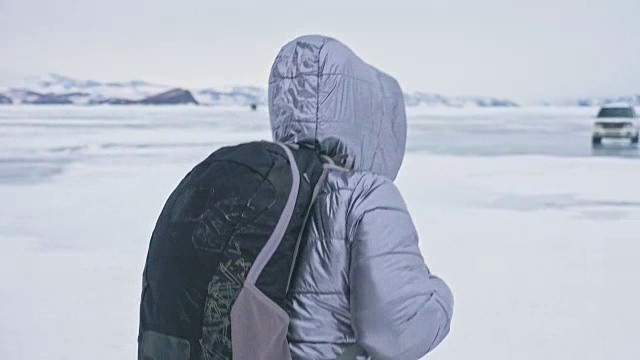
360, 276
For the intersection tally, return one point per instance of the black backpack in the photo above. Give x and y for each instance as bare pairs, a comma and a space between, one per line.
233, 225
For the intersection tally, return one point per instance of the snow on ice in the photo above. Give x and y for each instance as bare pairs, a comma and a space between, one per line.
536, 234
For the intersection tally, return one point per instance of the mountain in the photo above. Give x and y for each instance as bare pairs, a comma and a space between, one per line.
59, 89
482, 101
632, 100
113, 101
5, 100
25, 96
171, 97
243, 96
439, 100
425, 99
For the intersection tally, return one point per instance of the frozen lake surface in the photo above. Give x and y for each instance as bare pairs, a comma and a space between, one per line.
537, 234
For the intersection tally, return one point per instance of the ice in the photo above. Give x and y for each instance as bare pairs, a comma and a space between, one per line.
536, 234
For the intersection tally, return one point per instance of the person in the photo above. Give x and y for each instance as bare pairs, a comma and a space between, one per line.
360, 277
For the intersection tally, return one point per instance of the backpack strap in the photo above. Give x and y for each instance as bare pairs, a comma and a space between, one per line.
276, 237
353, 351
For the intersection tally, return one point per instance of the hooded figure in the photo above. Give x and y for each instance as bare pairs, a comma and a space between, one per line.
360, 276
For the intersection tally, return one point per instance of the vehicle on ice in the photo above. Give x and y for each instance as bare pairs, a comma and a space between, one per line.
616, 122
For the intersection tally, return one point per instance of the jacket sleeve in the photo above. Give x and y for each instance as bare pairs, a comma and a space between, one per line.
399, 309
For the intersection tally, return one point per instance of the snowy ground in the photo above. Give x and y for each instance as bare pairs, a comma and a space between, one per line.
537, 235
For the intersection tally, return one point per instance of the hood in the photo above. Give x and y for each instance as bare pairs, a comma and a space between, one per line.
322, 94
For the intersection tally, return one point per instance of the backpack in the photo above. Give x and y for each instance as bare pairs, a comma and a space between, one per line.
223, 252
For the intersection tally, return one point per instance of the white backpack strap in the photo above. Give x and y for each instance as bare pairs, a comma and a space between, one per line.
281, 227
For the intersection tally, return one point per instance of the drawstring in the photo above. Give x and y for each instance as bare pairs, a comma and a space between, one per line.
328, 159
342, 160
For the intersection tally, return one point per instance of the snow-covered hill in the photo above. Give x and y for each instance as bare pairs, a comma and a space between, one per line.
5, 100
434, 99
237, 95
59, 89
632, 100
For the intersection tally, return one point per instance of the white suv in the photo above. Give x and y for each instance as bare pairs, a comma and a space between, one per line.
616, 122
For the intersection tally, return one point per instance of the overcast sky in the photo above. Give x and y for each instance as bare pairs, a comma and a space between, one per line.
518, 49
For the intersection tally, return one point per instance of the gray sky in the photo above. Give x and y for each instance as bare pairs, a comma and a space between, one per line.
517, 49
